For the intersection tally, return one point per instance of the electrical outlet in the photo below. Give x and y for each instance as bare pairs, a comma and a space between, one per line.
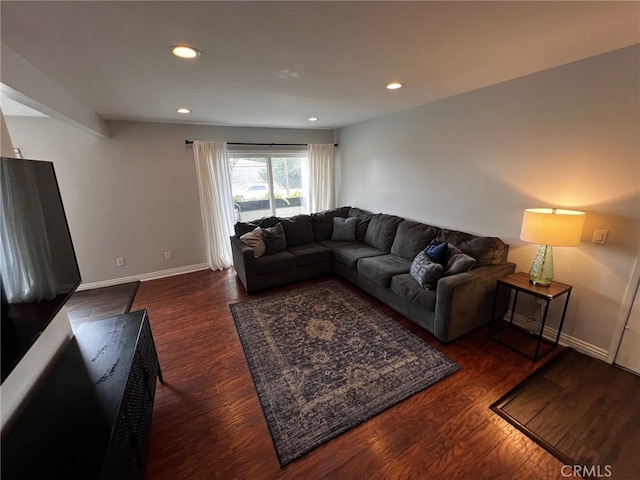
120, 261
167, 255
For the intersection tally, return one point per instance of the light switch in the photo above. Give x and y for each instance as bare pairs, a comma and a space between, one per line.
600, 236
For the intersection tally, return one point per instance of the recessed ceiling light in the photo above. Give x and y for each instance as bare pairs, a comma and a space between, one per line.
394, 86
313, 119
183, 110
185, 51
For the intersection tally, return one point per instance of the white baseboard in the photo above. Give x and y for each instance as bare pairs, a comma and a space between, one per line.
145, 276
565, 340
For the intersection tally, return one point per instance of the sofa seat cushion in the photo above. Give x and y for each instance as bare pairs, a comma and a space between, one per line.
333, 244
311, 253
276, 262
383, 268
406, 287
350, 254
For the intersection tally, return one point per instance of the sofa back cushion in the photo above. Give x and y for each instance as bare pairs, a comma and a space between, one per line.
323, 222
486, 250
381, 231
364, 218
241, 228
298, 230
411, 238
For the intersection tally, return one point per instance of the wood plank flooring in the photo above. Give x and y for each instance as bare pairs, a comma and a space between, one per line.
584, 410
99, 303
208, 422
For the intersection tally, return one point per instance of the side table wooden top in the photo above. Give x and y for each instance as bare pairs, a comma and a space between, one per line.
520, 281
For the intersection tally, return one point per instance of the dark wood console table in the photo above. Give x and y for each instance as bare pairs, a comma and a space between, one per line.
90, 414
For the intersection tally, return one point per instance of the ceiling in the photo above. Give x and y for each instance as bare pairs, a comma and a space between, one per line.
274, 64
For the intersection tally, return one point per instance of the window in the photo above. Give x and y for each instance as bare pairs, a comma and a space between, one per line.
269, 184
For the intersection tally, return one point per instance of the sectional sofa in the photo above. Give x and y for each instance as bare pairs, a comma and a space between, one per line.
381, 254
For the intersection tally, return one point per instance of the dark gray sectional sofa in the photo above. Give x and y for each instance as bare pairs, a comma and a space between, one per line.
378, 260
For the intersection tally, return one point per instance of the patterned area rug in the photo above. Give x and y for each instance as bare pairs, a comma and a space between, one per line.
324, 360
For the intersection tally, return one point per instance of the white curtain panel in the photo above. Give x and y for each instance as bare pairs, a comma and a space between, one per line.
216, 203
322, 172
27, 267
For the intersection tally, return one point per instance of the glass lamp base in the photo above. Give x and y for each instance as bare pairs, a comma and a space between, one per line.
541, 272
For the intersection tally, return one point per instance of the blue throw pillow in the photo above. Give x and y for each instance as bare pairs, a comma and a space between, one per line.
438, 252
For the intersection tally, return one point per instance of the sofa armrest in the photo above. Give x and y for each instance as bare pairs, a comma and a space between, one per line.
464, 301
245, 264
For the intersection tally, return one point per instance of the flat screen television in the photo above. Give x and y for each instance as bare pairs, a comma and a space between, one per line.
38, 266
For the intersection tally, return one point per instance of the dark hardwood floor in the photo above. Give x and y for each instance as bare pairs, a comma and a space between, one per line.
208, 422
90, 305
584, 410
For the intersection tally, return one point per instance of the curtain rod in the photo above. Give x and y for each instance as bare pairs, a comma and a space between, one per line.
190, 142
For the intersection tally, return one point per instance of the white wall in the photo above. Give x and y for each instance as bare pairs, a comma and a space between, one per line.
566, 137
6, 146
134, 195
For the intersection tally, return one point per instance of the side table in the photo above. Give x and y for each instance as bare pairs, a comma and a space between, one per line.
513, 336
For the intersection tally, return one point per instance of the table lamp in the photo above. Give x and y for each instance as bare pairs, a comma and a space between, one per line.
550, 227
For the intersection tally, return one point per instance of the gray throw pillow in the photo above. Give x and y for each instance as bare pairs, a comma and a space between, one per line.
274, 239
344, 229
364, 218
425, 271
486, 250
323, 222
458, 262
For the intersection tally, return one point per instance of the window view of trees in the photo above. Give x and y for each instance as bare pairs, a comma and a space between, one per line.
268, 185
287, 174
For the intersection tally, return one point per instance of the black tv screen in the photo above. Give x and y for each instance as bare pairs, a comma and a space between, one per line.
38, 266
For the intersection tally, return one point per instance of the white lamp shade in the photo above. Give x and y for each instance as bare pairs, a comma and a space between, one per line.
551, 226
